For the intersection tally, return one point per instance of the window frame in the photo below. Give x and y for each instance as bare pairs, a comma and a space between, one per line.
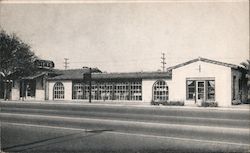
58, 94
187, 90
160, 92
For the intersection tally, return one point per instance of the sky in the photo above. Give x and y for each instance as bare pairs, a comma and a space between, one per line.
130, 36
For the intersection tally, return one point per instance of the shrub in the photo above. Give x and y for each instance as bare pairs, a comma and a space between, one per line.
158, 102
168, 103
236, 102
176, 103
209, 104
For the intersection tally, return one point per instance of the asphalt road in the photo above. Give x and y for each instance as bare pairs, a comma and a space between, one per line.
97, 128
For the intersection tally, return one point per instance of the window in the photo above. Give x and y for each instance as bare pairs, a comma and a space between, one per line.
94, 91
58, 91
105, 91
234, 82
190, 89
160, 91
108, 90
201, 89
121, 91
136, 91
210, 90
77, 91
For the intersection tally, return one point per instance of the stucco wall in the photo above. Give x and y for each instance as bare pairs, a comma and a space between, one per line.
221, 74
15, 92
39, 94
67, 89
147, 88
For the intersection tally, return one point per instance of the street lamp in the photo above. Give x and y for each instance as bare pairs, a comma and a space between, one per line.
88, 77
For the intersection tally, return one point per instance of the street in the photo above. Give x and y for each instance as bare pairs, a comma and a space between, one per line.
36, 127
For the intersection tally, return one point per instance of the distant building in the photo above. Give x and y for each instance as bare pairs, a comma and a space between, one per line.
191, 82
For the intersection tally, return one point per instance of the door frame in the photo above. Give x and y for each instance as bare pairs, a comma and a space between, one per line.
197, 90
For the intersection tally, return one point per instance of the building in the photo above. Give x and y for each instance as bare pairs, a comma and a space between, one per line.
31, 87
195, 81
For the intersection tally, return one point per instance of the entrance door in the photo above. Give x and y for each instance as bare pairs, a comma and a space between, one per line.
30, 89
200, 90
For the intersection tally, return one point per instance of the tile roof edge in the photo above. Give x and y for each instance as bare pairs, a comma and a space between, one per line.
204, 60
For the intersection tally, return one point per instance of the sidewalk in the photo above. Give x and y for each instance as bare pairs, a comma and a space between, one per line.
242, 107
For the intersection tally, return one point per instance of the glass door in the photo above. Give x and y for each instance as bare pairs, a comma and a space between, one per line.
200, 90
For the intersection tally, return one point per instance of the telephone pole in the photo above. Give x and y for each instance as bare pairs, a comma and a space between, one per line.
163, 58
66, 63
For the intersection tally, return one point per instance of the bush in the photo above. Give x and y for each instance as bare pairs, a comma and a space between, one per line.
176, 103
158, 102
236, 102
209, 104
168, 103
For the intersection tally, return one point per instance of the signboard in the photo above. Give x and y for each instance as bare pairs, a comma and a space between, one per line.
44, 64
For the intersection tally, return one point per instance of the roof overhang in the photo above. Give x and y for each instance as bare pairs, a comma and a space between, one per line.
233, 66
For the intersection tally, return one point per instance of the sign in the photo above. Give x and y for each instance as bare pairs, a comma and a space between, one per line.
44, 64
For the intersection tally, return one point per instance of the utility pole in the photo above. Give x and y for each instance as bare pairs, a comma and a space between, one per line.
163, 58
88, 78
66, 63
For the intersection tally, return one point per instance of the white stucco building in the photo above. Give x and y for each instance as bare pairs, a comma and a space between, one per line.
192, 82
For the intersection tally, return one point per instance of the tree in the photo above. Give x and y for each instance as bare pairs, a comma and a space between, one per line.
16, 60
16, 57
246, 66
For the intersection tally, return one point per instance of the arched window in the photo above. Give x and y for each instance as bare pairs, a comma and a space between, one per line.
58, 91
160, 91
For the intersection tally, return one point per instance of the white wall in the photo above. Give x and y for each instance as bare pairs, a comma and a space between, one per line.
221, 74
15, 91
67, 89
147, 88
40, 94
15, 94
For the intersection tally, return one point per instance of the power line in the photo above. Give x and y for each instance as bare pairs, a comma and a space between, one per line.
66, 63
163, 58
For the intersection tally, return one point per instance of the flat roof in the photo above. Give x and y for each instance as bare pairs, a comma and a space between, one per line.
78, 75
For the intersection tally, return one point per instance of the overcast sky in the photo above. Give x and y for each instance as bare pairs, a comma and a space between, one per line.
123, 37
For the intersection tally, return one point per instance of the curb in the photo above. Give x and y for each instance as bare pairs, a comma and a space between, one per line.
131, 104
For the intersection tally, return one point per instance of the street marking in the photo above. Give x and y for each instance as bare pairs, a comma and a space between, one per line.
245, 130
131, 134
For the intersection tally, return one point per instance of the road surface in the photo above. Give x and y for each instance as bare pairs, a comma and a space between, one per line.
33, 127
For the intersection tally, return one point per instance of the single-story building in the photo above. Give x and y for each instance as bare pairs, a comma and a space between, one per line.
197, 80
